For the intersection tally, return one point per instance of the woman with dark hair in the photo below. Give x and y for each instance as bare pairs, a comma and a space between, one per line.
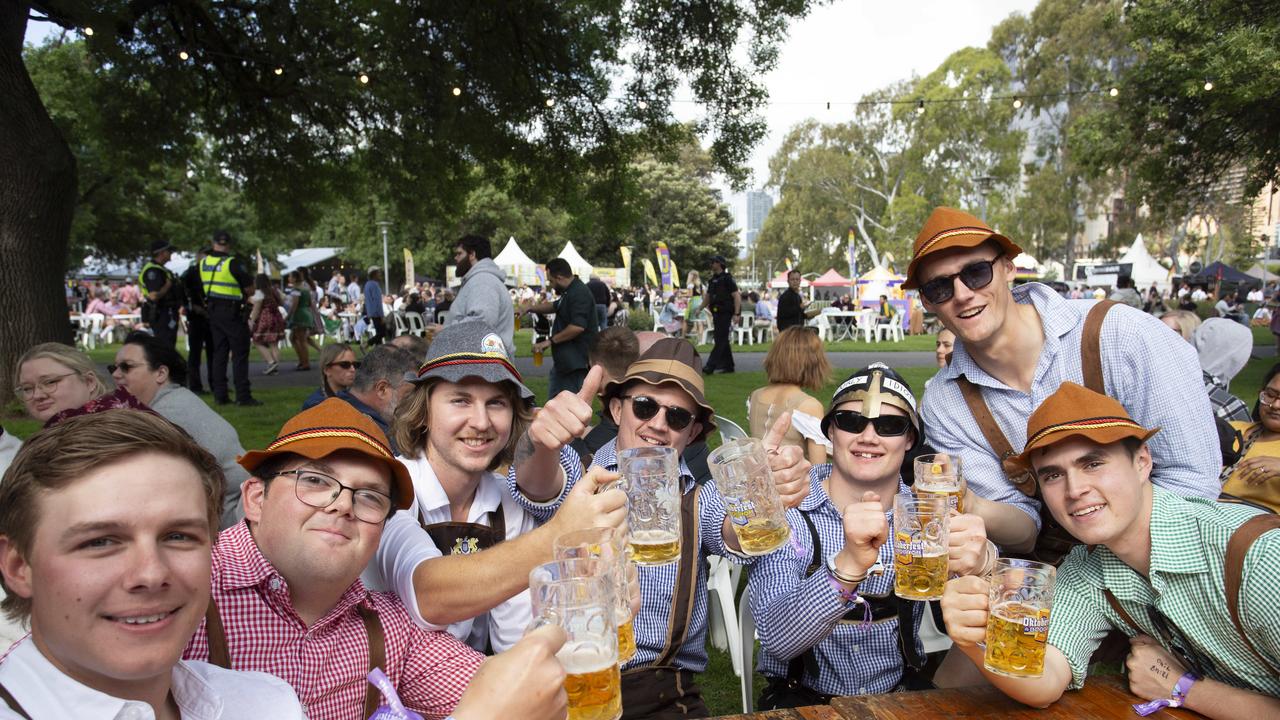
266, 322
156, 374
338, 367
299, 319
1256, 476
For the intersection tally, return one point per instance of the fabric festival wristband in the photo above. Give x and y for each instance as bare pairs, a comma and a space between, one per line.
852, 597
1179, 696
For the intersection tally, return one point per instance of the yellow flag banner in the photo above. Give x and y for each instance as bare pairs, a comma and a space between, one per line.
675, 274
664, 267
409, 278
649, 272
261, 265
626, 261
789, 266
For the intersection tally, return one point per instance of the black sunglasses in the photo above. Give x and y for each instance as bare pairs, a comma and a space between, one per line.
975, 276
346, 364
646, 408
885, 425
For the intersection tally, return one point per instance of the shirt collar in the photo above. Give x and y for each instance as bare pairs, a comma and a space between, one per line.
1173, 549
431, 495
817, 496
607, 458
58, 695
1057, 316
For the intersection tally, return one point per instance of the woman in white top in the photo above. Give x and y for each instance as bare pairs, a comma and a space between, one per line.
796, 362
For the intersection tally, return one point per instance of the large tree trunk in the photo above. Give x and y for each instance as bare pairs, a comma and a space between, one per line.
37, 199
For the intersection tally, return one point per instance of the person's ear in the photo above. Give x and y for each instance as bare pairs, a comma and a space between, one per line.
1142, 460
615, 410
162, 374
253, 494
14, 567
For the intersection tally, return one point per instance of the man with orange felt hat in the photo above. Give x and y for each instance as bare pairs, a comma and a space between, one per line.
287, 598
1015, 346
1153, 568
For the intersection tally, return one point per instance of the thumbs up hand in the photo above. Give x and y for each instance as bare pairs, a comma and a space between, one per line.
566, 416
788, 464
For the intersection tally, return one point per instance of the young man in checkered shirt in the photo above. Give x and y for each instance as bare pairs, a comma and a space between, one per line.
1152, 566
288, 599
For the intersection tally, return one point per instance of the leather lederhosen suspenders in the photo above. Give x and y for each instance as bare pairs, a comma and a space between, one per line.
683, 596
220, 655
1242, 539
1053, 542
464, 538
7, 699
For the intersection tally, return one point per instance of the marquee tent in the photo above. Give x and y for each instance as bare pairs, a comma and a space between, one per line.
579, 264
781, 281
831, 278
519, 267
1146, 271
879, 281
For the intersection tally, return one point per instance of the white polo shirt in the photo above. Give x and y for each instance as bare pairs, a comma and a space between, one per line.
202, 692
405, 544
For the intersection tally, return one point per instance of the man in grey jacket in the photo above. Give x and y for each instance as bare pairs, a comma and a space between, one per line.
483, 295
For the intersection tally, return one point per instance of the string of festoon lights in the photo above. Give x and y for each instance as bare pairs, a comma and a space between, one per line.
921, 104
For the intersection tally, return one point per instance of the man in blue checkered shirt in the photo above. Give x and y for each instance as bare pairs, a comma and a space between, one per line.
1017, 346
659, 402
810, 605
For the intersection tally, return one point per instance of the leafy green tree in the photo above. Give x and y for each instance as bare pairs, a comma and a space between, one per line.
680, 208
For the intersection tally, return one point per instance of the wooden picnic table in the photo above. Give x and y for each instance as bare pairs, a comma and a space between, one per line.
1103, 698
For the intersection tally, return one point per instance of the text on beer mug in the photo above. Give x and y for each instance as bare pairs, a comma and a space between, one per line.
741, 472
1021, 597
651, 479
940, 474
920, 527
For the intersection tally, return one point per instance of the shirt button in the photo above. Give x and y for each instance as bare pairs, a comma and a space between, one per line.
306, 712
862, 691
274, 584
856, 648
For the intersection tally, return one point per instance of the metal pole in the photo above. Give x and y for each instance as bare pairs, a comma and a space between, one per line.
386, 269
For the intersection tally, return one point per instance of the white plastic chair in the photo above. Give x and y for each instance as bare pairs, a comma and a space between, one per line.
729, 430
893, 329
401, 327
746, 328
91, 327
823, 323
747, 638
416, 326
721, 614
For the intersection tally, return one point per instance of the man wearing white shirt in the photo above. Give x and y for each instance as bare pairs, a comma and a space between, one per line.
114, 584
460, 556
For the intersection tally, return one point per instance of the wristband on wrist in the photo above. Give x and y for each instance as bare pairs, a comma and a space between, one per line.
989, 565
847, 579
1176, 699
852, 597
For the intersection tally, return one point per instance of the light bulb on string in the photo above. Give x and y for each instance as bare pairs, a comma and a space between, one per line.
1208, 85
551, 102
457, 91
1017, 103
88, 31
364, 79
183, 55
920, 107
642, 105
1114, 91
279, 71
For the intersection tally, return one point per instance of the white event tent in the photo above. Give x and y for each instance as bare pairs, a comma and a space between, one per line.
1146, 271
579, 264
519, 267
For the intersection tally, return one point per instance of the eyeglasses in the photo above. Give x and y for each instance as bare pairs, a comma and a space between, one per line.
346, 364
45, 385
885, 425
320, 491
1268, 397
975, 276
125, 367
646, 408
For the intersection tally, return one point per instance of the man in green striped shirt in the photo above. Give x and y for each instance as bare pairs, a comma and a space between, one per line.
1160, 556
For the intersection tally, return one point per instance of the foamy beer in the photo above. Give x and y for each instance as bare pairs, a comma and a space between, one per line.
1018, 624
610, 548
939, 474
920, 526
576, 595
651, 479
741, 472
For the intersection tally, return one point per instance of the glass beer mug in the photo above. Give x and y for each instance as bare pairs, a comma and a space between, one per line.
651, 478
741, 471
920, 526
1018, 624
610, 548
578, 597
939, 474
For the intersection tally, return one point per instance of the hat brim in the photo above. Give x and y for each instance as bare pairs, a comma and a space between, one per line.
708, 421
485, 371
401, 482
1102, 434
958, 240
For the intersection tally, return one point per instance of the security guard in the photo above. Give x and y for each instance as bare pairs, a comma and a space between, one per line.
199, 336
226, 285
163, 294
725, 303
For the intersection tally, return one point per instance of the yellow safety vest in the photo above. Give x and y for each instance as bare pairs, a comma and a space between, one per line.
215, 274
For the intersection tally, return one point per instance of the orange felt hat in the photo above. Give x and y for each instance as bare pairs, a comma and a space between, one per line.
1076, 411
949, 228
331, 426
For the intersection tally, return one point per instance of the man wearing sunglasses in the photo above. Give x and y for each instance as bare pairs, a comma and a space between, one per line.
1154, 565
659, 402
287, 598
828, 621
1015, 347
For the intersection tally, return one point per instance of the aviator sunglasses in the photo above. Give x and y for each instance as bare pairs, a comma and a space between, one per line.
646, 408
346, 364
885, 425
975, 276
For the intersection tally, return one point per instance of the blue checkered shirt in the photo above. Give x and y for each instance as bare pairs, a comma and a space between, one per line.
657, 584
794, 613
1149, 368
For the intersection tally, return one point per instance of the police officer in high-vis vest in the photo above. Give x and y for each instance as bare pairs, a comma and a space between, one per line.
162, 293
226, 285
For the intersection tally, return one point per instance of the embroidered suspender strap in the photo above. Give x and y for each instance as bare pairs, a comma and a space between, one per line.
377, 655
995, 437
686, 579
1091, 346
14, 705
217, 636
1233, 569
1119, 609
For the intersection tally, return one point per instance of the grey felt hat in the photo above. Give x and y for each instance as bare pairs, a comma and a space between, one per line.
470, 349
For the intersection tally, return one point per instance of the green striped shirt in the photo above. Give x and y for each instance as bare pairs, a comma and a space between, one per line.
1188, 548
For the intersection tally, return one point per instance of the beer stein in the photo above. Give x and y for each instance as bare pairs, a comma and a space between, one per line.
577, 596
610, 548
939, 474
741, 471
651, 478
920, 526
1018, 620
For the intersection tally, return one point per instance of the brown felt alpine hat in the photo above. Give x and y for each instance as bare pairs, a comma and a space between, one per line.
331, 426
670, 361
949, 228
1076, 411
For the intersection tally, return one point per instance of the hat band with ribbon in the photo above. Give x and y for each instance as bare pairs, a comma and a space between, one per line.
468, 358
319, 433
943, 235
1084, 426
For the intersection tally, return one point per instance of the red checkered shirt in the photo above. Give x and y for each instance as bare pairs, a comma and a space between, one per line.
326, 664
